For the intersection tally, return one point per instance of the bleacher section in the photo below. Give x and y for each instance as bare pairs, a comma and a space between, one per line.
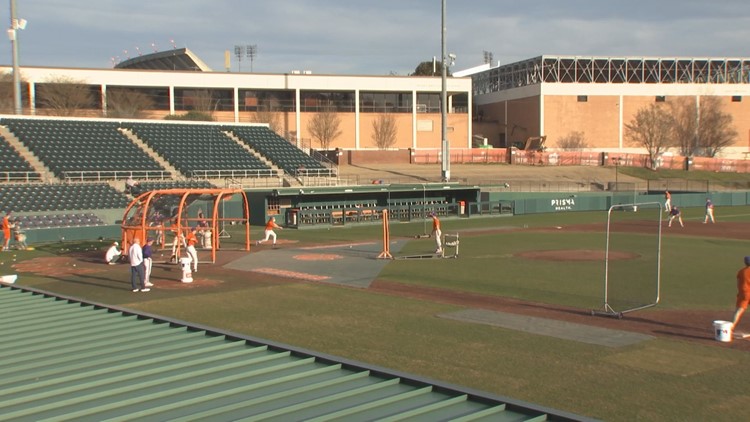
201, 151
91, 157
13, 167
40, 197
83, 150
280, 151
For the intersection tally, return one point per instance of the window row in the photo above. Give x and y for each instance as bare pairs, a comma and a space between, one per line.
119, 98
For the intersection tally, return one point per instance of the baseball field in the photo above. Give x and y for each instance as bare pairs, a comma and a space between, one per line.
511, 314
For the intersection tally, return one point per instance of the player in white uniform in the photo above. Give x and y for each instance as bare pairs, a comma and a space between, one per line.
675, 213
709, 212
113, 254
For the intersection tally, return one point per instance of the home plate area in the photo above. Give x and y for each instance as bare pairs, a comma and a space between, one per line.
350, 264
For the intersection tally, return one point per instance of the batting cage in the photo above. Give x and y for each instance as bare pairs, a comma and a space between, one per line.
169, 216
449, 241
632, 262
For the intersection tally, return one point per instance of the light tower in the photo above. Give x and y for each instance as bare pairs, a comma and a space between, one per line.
15, 25
252, 51
445, 147
249, 51
488, 57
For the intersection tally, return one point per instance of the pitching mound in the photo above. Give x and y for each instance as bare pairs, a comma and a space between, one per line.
575, 255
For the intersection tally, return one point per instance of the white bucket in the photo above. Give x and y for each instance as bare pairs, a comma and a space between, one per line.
8, 279
187, 275
723, 331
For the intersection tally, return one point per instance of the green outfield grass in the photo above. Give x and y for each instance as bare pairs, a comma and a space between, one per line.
656, 380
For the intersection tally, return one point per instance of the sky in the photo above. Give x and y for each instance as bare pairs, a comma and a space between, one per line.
375, 37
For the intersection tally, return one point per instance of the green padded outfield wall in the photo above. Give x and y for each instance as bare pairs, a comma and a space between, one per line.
546, 202
72, 233
523, 203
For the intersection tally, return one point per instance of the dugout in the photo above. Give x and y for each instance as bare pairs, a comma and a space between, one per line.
311, 206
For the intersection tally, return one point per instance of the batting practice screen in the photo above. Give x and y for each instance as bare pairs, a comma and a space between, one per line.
633, 257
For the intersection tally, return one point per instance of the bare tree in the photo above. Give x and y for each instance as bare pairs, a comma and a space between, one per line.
127, 103
192, 115
64, 96
265, 114
7, 93
7, 101
651, 128
384, 131
324, 126
204, 101
573, 141
430, 68
684, 124
715, 128
200, 105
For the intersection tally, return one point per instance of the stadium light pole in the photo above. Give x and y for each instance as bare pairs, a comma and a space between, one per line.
445, 168
15, 25
252, 51
239, 51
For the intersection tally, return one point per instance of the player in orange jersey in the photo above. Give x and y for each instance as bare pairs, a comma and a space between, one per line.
268, 232
436, 233
6, 226
191, 239
743, 292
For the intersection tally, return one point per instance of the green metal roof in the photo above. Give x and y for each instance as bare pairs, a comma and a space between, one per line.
64, 359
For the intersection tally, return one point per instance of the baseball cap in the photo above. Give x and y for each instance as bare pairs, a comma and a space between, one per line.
116, 244
747, 260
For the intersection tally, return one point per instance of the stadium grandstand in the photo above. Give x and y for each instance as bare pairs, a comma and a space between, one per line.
503, 106
175, 59
175, 82
12, 164
70, 172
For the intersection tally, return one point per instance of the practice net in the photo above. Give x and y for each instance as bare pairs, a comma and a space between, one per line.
633, 258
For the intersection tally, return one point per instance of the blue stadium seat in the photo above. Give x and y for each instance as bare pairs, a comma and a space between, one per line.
278, 150
72, 146
192, 148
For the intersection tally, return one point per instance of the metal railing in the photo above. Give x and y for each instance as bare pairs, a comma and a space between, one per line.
326, 172
254, 182
678, 185
541, 186
324, 160
20, 176
109, 175
232, 174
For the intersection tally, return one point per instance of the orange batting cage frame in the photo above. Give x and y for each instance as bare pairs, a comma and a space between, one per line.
143, 219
